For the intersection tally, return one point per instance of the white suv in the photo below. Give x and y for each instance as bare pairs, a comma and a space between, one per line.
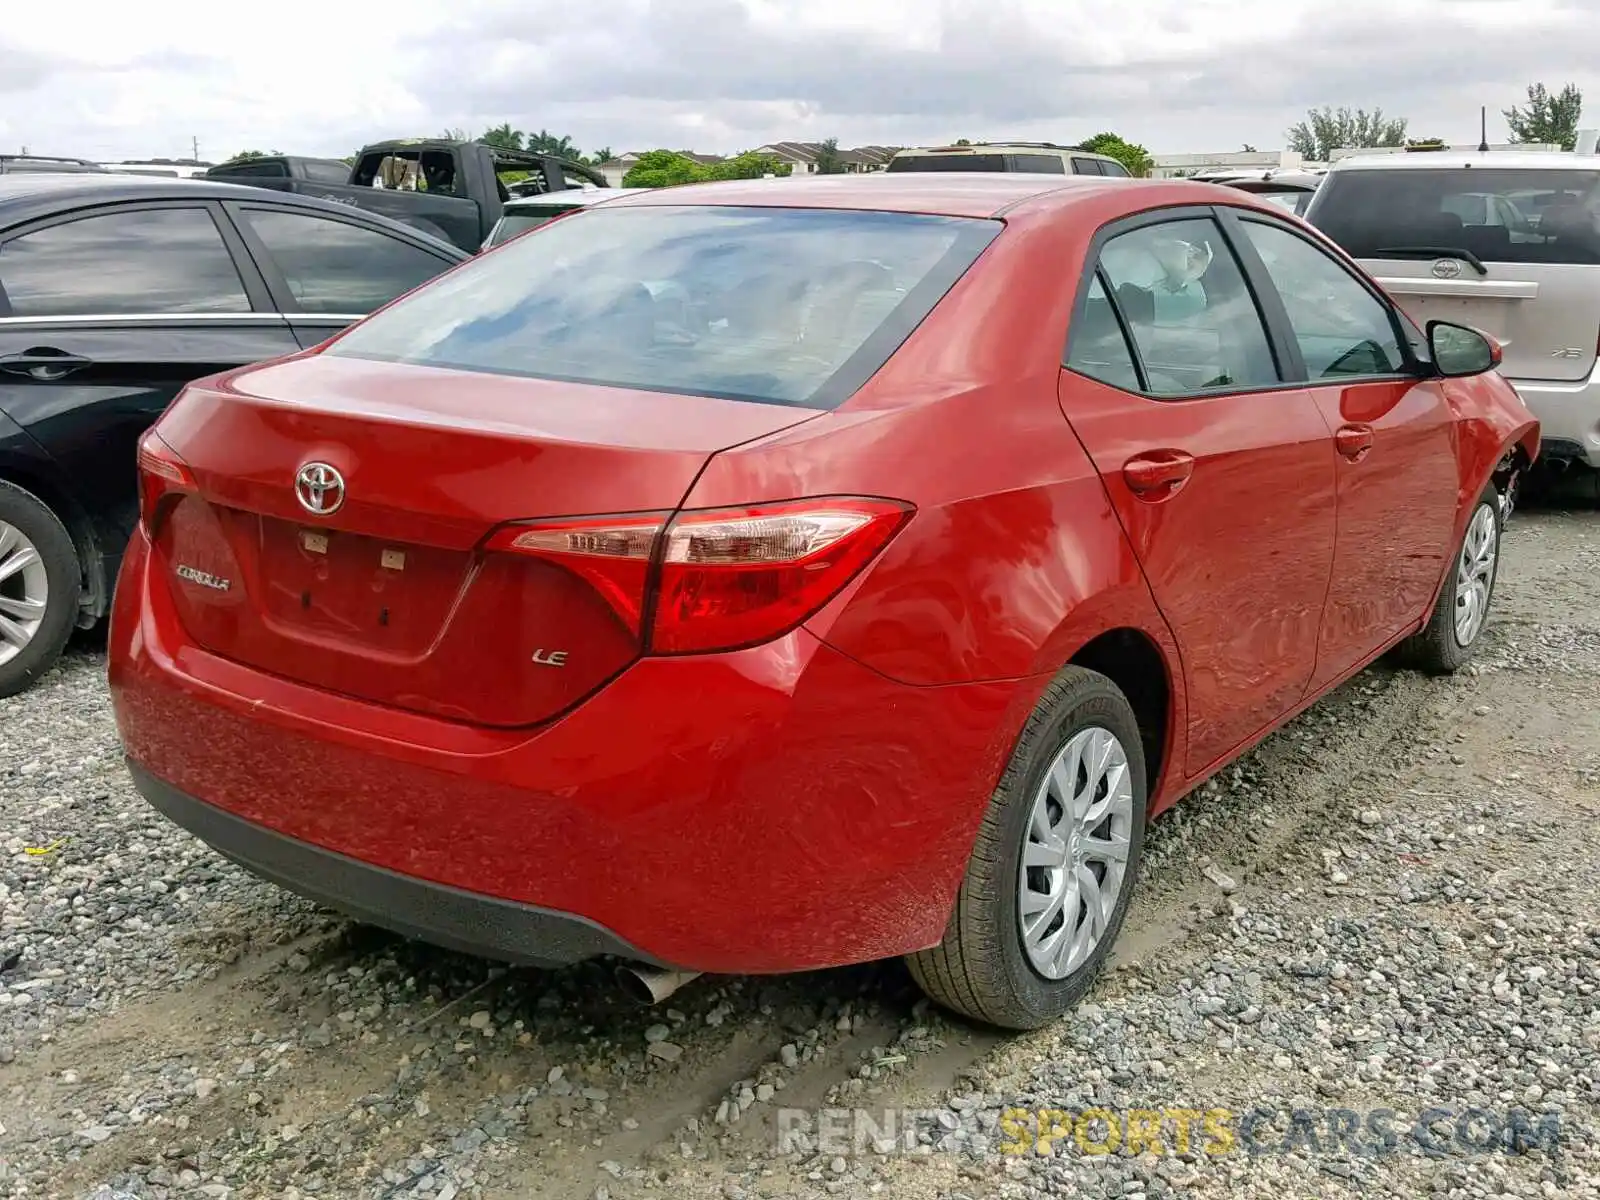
1039, 158
1507, 241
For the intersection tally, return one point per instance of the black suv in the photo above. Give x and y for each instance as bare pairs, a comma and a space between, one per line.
115, 291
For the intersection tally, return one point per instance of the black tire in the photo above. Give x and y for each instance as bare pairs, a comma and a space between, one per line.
981, 968
63, 578
1436, 649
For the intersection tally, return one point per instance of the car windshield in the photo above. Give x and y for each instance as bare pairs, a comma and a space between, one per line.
1496, 214
780, 305
524, 219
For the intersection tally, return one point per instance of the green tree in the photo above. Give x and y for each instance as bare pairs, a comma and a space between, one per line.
545, 142
1327, 129
502, 137
604, 154
829, 160
962, 142
456, 135
1547, 118
748, 165
1130, 154
664, 168
1249, 149
249, 155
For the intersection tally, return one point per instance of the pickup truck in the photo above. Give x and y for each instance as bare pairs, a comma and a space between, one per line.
452, 190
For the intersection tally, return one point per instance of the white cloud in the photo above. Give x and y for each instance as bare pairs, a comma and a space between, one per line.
720, 75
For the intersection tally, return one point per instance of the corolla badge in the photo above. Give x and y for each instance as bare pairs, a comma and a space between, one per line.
319, 488
204, 578
1446, 268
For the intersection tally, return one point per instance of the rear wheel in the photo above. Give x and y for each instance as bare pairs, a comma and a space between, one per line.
1462, 610
39, 588
1055, 862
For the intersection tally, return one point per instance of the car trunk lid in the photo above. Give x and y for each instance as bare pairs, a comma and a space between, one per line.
392, 594
1546, 317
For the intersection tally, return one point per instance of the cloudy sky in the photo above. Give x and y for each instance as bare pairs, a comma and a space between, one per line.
109, 81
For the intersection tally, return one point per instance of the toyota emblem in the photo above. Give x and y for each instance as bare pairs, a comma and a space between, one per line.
1446, 268
319, 488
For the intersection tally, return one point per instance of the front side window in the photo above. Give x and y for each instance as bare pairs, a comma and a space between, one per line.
1184, 299
1115, 168
1341, 328
1524, 215
1039, 164
1086, 166
781, 305
140, 262
339, 268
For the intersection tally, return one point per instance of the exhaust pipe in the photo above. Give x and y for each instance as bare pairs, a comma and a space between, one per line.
650, 985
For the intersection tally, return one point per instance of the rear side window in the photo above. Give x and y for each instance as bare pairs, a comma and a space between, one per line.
1182, 295
151, 261
1515, 216
949, 162
523, 220
1038, 164
336, 267
252, 170
1099, 347
319, 172
784, 306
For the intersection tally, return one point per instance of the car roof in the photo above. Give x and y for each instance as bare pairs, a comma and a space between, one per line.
1503, 160
25, 196
1003, 148
954, 194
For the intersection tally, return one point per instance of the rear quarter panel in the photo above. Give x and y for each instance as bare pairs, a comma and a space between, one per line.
1014, 559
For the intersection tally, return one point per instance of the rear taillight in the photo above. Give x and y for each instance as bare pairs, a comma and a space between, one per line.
162, 476
717, 579
612, 556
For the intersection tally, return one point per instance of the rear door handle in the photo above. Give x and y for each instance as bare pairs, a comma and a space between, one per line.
1353, 441
44, 363
1157, 474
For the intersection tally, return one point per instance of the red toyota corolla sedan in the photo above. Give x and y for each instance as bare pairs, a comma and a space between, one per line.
759, 577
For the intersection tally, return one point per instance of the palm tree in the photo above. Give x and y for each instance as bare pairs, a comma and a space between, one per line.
502, 137
604, 154
545, 142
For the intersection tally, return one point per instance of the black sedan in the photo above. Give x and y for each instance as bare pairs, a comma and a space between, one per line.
115, 291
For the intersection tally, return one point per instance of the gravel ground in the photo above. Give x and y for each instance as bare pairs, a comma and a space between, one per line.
1390, 907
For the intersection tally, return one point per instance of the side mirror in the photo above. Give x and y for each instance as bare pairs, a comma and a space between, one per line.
1459, 350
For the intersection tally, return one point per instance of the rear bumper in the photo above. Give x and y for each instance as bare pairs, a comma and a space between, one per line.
774, 809
444, 916
1569, 418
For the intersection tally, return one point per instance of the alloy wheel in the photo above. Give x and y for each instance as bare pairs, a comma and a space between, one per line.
1076, 855
1475, 571
24, 591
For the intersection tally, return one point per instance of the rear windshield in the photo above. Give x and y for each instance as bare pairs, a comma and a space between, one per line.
949, 162
784, 306
523, 220
1499, 215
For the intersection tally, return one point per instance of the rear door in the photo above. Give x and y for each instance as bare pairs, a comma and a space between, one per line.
1512, 251
104, 315
1220, 467
326, 272
1394, 437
